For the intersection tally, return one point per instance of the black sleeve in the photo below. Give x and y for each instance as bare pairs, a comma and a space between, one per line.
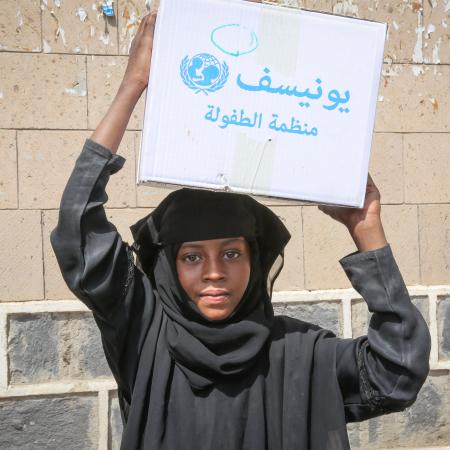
383, 371
97, 266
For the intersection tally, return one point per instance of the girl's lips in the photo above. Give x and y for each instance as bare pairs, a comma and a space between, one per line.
215, 298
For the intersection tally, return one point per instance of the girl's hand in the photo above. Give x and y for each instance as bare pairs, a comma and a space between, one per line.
363, 224
138, 68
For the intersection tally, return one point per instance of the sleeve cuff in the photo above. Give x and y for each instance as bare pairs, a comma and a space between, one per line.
358, 256
115, 162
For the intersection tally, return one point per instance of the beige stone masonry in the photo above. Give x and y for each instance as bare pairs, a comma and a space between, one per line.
434, 223
47, 158
77, 26
42, 91
21, 273
8, 172
401, 16
326, 241
436, 26
292, 276
130, 12
386, 166
427, 168
414, 98
20, 26
124, 218
402, 232
105, 73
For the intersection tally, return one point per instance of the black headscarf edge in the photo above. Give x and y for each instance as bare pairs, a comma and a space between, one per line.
271, 234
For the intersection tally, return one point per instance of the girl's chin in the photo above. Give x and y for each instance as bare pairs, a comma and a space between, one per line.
216, 313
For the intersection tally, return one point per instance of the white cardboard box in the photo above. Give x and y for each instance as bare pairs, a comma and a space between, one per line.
261, 99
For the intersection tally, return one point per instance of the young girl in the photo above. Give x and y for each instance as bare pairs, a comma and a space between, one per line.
189, 334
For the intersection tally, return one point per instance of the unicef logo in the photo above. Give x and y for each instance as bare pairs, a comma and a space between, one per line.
203, 73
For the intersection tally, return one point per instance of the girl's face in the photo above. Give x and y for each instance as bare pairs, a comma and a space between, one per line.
215, 274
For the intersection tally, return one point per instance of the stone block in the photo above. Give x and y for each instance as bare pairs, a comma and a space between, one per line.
401, 227
361, 315
436, 34
8, 174
115, 423
401, 16
130, 14
291, 277
443, 320
327, 315
425, 423
427, 167
413, 98
152, 196
121, 187
21, 276
77, 26
32, 348
50, 93
80, 348
55, 286
386, 166
124, 218
55, 153
105, 73
53, 347
20, 26
53, 423
325, 242
434, 225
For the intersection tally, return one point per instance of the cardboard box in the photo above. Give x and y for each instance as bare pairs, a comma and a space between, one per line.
261, 99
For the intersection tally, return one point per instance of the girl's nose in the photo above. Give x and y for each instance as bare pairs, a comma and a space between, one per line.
213, 269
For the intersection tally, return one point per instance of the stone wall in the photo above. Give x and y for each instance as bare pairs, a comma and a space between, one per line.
61, 63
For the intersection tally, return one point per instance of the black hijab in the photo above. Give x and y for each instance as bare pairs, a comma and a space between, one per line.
204, 350
252, 381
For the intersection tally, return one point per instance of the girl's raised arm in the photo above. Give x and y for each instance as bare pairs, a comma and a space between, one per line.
97, 266
110, 131
383, 371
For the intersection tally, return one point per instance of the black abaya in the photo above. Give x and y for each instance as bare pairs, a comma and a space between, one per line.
299, 391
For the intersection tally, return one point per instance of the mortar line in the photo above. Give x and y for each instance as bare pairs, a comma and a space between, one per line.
136, 157
332, 295
59, 388
419, 244
39, 306
3, 349
103, 419
43, 257
404, 168
42, 27
303, 247
270, 204
118, 29
140, 129
347, 316
87, 91
385, 61
432, 308
17, 169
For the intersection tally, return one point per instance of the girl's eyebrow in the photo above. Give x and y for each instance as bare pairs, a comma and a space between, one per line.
200, 245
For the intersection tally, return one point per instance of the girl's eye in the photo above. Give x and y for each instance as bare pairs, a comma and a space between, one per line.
191, 258
232, 254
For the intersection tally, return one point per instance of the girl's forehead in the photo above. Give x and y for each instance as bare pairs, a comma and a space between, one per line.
215, 242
